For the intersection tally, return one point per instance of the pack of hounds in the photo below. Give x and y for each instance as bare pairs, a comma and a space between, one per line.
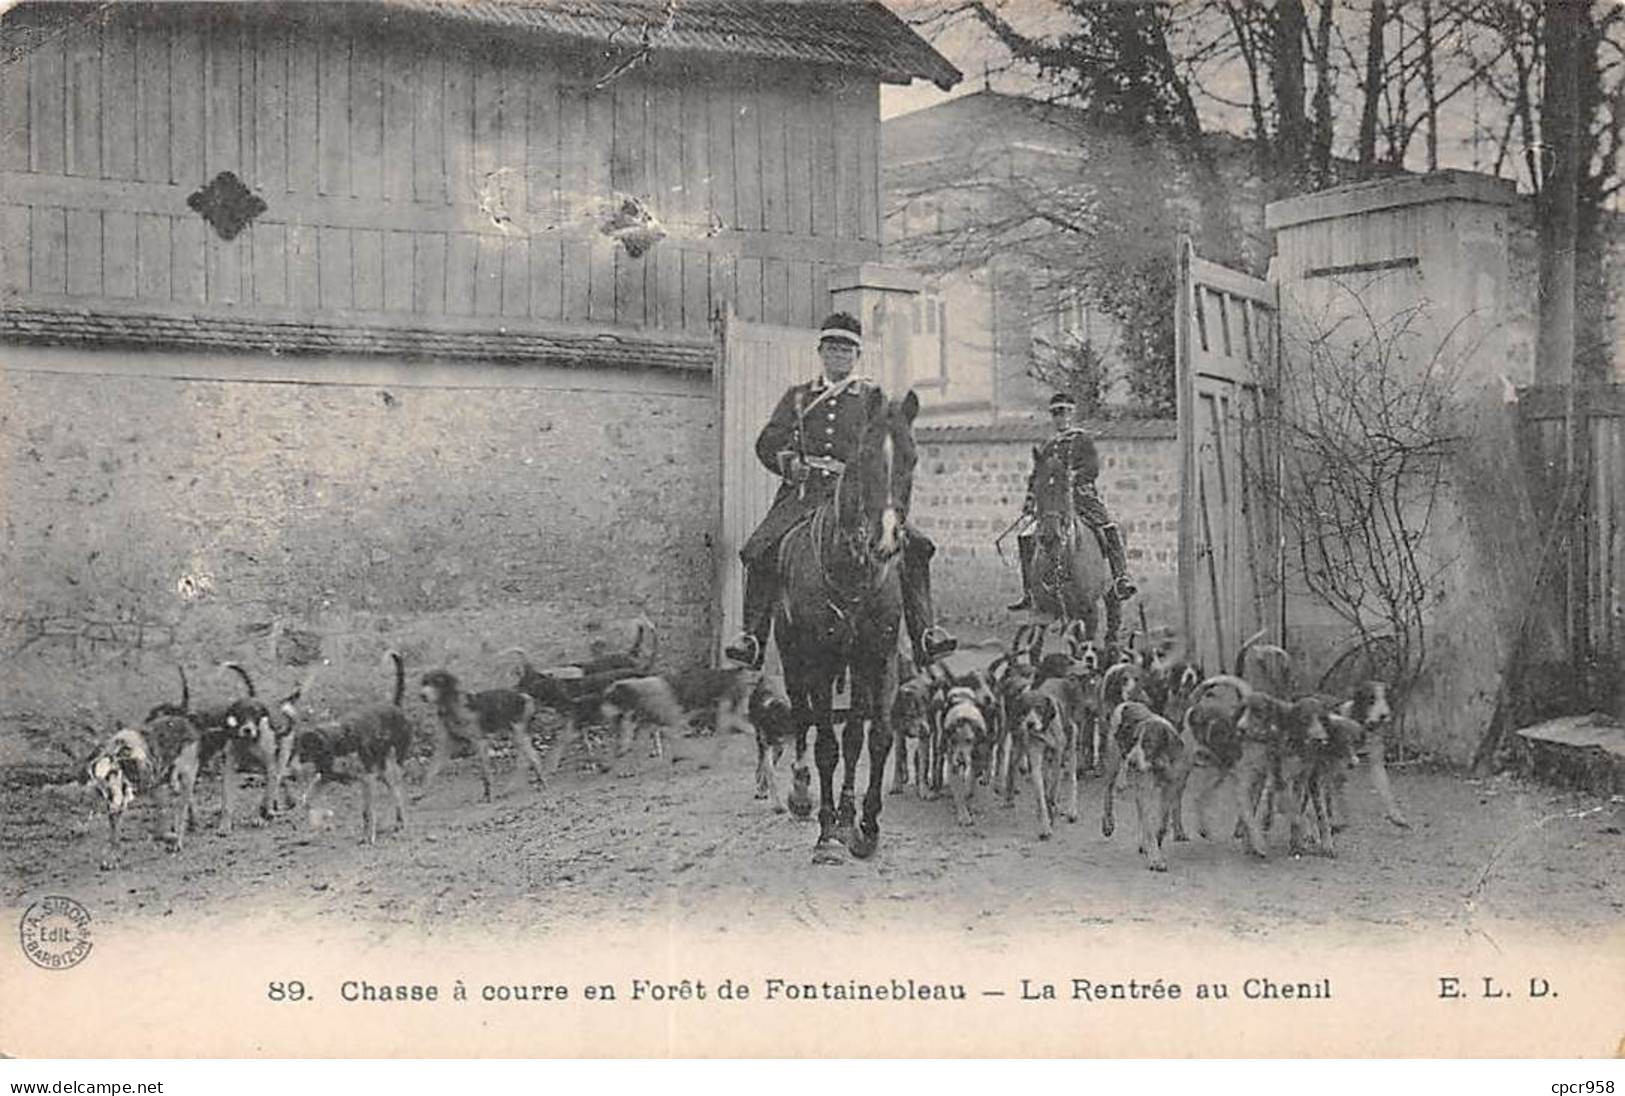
165, 754
1151, 722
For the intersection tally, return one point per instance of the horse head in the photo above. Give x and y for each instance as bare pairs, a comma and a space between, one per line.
880, 479
1053, 499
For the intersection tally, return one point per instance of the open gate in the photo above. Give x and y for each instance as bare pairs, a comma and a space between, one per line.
756, 364
1227, 349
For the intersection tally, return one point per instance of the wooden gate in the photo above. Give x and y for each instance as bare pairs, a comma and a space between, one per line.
756, 364
1227, 348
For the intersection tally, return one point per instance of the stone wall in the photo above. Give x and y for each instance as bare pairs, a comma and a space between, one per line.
304, 516
969, 487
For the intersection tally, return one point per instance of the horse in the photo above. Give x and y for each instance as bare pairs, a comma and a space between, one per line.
839, 613
1071, 577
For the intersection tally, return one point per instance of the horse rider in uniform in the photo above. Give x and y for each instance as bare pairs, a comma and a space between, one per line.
1078, 449
814, 431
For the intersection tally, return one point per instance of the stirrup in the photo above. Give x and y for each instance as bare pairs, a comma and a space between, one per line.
746, 650
936, 644
1026, 602
1124, 589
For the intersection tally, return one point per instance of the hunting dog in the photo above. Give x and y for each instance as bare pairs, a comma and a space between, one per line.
914, 723
475, 718
1045, 732
378, 736
162, 756
1372, 715
248, 732
1304, 753
964, 740
1153, 755
770, 714
633, 703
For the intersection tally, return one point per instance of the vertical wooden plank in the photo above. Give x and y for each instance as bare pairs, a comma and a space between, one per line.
224, 277
462, 249
84, 92
47, 106
429, 273
748, 296
629, 174
187, 261
515, 280
848, 180
15, 123
776, 291
396, 78
573, 199
866, 127
513, 138
118, 254
270, 263
429, 128
696, 273
775, 109
304, 265
720, 168
222, 151
724, 281
185, 95
247, 130
488, 275
601, 251
695, 139
333, 120
542, 156
459, 128
487, 124
546, 277
399, 272
666, 287
803, 307
335, 268
798, 166
153, 256
119, 121
367, 269
270, 112
366, 121
747, 131
664, 307
825, 181
48, 236
152, 162
16, 248
304, 74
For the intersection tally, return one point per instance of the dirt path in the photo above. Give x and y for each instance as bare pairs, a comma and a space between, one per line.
684, 839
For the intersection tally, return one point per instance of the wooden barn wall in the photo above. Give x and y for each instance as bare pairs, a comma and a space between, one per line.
419, 170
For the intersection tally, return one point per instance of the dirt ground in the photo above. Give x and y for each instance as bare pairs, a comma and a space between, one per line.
684, 838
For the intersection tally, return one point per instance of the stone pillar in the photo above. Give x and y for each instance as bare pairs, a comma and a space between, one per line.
1424, 261
882, 298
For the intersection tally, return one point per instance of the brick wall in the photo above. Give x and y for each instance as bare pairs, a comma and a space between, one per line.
969, 487
273, 511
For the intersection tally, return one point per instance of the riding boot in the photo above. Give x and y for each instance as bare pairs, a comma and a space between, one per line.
1025, 549
761, 592
929, 641
1113, 537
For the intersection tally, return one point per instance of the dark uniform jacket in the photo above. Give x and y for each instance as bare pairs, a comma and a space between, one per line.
1078, 450
815, 423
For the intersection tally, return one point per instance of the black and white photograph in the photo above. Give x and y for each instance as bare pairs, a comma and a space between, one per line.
807, 528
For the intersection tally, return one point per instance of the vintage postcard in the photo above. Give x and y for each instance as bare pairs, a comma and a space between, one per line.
765, 528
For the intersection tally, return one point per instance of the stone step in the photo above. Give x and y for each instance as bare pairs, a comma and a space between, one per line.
1575, 751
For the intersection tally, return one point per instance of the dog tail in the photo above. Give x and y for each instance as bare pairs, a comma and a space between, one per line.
1218, 681
186, 689
400, 677
1246, 644
641, 658
524, 659
248, 682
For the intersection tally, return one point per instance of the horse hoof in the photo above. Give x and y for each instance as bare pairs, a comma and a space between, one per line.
1107, 829
1157, 866
778, 808
863, 845
800, 806
829, 852
1181, 837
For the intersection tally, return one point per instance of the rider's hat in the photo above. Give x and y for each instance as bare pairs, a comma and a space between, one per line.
842, 327
1062, 400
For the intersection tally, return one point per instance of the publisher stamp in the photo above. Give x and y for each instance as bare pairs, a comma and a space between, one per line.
55, 933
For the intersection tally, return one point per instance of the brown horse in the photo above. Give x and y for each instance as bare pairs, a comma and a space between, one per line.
839, 613
1071, 578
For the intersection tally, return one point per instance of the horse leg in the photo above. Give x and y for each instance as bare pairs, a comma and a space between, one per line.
880, 742
826, 752
851, 751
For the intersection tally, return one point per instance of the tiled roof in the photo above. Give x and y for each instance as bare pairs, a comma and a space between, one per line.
851, 34
1036, 430
151, 331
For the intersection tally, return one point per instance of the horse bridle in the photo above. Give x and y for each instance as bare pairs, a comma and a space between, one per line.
857, 545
